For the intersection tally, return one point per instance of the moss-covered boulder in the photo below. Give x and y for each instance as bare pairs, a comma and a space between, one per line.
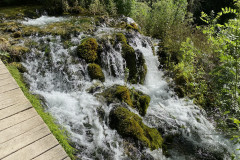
134, 98
133, 26
95, 72
140, 101
123, 94
88, 50
17, 34
130, 125
121, 38
134, 60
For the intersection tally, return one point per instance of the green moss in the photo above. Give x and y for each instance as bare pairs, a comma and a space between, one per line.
144, 101
121, 38
134, 98
137, 67
129, 125
133, 26
130, 57
88, 49
140, 101
59, 132
17, 34
123, 94
143, 73
95, 72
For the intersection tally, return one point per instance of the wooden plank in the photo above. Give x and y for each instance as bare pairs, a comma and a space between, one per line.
20, 128
10, 94
6, 81
3, 71
16, 108
56, 153
12, 97
23, 134
16, 119
23, 140
4, 76
2, 66
9, 102
8, 87
34, 149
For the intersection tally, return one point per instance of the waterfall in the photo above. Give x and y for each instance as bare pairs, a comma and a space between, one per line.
62, 79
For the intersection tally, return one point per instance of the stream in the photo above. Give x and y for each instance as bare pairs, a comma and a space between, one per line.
63, 82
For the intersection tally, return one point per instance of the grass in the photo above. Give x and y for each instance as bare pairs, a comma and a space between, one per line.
58, 131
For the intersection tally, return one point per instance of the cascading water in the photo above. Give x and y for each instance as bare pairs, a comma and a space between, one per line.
59, 76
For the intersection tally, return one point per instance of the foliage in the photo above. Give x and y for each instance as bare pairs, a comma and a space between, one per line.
124, 7
59, 132
163, 15
140, 13
227, 45
96, 7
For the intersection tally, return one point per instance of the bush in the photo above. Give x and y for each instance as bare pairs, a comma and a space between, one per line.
124, 7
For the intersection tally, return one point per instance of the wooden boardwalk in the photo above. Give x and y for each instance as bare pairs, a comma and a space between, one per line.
23, 134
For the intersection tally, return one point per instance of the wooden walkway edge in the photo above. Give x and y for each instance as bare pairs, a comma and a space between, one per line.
23, 133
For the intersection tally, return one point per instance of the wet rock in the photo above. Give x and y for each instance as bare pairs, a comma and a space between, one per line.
95, 72
129, 125
97, 86
134, 60
17, 52
134, 98
88, 50
17, 34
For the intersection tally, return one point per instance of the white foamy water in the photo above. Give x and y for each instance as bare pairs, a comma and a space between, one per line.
62, 79
43, 20
177, 116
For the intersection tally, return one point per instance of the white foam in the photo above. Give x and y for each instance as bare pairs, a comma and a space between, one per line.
43, 20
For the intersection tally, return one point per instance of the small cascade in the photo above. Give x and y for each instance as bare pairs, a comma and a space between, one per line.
62, 79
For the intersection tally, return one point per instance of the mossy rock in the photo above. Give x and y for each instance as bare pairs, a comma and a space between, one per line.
134, 98
123, 94
134, 60
95, 72
135, 63
31, 30
17, 52
4, 42
121, 38
88, 50
140, 101
130, 125
131, 61
133, 26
